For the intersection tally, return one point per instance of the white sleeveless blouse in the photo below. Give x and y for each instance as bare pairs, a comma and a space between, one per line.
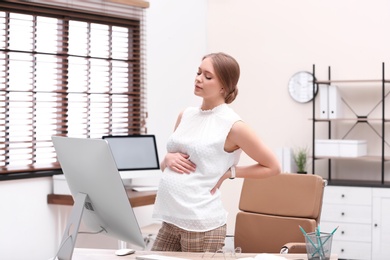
185, 199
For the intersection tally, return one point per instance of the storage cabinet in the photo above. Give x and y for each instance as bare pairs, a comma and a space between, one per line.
336, 148
349, 208
363, 217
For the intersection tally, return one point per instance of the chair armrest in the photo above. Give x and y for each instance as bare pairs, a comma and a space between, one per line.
294, 248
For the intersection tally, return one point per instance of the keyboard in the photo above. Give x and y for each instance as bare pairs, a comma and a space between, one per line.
158, 257
144, 188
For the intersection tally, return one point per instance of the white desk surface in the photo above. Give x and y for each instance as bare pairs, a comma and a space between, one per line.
109, 254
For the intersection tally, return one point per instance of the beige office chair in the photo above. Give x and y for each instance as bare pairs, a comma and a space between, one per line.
272, 210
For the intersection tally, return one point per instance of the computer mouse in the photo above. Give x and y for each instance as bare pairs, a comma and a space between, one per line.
124, 251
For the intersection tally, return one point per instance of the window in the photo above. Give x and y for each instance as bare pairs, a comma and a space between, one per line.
66, 73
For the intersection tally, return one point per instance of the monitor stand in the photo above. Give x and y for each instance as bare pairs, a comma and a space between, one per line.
68, 242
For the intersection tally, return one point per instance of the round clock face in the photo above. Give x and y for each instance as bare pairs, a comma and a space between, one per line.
300, 87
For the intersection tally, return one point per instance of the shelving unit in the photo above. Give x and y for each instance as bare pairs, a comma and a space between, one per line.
359, 119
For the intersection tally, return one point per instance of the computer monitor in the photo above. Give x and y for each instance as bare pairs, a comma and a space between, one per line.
134, 152
100, 198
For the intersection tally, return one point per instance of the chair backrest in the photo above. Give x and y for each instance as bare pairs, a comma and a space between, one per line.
272, 209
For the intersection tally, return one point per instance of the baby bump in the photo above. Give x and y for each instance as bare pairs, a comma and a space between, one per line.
187, 196
191, 185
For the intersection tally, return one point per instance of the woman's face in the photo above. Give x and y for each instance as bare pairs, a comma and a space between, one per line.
207, 85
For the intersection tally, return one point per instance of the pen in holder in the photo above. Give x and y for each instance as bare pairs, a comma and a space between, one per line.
318, 244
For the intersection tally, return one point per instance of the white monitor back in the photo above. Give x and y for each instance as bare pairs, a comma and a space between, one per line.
90, 169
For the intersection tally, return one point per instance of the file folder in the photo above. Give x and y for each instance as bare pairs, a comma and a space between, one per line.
324, 101
335, 102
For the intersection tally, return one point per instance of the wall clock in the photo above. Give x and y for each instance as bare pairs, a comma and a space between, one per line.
301, 85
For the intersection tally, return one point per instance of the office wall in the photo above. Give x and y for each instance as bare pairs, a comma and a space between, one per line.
176, 44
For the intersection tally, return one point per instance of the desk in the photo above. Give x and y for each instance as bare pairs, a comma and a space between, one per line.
136, 198
109, 254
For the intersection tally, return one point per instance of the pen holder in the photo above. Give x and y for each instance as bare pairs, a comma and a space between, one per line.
318, 245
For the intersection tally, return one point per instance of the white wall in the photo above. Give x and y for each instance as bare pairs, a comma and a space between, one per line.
272, 39
176, 43
27, 222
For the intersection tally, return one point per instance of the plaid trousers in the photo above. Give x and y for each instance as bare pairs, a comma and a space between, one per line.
172, 238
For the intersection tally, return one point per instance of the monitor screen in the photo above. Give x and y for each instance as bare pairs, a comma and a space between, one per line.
100, 198
134, 152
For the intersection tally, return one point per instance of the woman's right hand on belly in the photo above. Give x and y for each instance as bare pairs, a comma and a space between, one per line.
179, 162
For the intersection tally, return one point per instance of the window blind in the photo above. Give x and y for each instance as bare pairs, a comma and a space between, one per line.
66, 73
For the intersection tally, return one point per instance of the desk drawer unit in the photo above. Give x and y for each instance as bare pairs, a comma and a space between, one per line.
348, 231
347, 213
348, 195
352, 250
350, 209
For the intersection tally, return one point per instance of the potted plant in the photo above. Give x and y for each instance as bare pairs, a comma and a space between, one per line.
300, 157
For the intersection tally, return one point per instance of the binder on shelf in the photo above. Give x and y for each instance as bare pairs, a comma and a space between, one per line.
335, 102
324, 101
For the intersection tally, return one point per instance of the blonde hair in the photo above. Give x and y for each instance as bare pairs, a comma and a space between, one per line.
227, 70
